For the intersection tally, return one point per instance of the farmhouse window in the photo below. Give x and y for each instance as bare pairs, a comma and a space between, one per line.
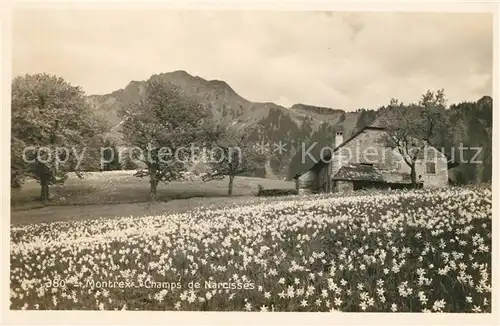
430, 168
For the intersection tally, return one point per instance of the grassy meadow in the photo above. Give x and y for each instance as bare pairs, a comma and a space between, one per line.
116, 187
118, 193
400, 251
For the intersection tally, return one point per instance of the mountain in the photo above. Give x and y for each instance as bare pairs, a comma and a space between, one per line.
223, 102
475, 135
293, 126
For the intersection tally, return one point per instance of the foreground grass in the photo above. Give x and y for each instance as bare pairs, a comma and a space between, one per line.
426, 250
121, 187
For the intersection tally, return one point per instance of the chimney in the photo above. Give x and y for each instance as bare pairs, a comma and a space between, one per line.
339, 138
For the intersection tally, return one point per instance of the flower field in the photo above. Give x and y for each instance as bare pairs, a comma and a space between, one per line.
399, 251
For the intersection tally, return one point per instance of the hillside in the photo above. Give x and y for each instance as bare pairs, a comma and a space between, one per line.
294, 125
301, 123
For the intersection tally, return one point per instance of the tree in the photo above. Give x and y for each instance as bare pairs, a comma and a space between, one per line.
128, 163
51, 125
164, 124
235, 154
433, 119
474, 122
17, 170
411, 128
110, 157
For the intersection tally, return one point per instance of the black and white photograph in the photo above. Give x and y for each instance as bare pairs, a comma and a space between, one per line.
239, 160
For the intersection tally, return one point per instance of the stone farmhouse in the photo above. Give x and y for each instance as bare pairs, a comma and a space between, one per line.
366, 161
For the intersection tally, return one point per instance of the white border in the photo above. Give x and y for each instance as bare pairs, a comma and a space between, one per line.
232, 318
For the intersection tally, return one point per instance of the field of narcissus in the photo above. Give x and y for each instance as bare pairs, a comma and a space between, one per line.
396, 251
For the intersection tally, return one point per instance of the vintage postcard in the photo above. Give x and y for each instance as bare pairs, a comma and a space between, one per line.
236, 159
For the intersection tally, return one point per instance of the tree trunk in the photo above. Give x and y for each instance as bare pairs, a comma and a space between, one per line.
413, 175
44, 193
153, 183
230, 187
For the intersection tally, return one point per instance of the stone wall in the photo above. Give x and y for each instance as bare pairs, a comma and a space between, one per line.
439, 179
344, 186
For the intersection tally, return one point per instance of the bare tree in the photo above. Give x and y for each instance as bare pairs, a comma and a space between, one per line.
412, 128
234, 154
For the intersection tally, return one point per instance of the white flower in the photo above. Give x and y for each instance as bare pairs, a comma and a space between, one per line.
438, 305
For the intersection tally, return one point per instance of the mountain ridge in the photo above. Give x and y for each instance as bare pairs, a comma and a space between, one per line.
300, 123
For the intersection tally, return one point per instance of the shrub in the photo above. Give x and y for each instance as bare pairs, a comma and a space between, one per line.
276, 192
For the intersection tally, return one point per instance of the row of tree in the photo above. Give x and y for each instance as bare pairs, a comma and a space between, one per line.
53, 128
166, 119
430, 120
49, 114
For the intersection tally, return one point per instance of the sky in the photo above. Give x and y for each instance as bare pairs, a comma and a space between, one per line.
342, 60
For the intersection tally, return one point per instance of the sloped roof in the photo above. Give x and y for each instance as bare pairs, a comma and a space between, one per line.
359, 172
396, 177
363, 172
328, 156
370, 127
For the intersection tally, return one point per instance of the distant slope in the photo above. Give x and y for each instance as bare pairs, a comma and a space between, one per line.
291, 125
294, 126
